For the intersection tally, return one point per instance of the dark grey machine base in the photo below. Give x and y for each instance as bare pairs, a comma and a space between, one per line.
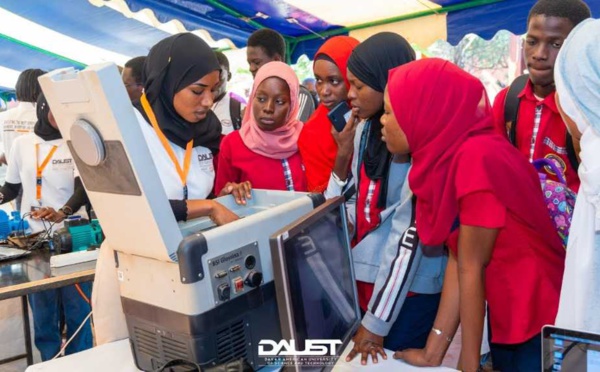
227, 332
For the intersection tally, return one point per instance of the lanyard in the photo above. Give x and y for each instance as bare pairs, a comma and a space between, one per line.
40, 169
287, 174
183, 173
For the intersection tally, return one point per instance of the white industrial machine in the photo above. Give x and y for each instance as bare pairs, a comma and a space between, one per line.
189, 290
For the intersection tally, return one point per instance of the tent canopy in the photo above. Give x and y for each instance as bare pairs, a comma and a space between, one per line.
52, 34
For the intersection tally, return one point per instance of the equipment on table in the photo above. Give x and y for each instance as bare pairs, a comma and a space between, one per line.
8, 253
78, 234
12, 223
569, 350
189, 290
316, 287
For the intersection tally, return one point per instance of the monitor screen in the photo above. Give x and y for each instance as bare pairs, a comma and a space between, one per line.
569, 350
316, 289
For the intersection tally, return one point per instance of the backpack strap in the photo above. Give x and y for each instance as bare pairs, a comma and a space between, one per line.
235, 112
349, 193
511, 106
571, 154
541, 163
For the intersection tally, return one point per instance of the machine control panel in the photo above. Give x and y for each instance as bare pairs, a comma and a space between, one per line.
235, 273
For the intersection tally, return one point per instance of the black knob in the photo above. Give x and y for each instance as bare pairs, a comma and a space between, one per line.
224, 291
253, 278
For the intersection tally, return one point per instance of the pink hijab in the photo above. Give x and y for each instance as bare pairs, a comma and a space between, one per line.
282, 142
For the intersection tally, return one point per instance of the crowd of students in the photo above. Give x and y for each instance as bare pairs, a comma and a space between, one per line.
447, 214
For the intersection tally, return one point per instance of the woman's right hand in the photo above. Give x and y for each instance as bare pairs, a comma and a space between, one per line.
345, 138
240, 191
220, 215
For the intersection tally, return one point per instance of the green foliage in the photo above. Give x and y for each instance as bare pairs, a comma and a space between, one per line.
475, 53
303, 68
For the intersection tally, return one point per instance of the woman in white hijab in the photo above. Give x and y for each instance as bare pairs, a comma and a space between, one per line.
577, 77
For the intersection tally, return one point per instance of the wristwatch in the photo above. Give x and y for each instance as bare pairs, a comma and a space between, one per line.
66, 210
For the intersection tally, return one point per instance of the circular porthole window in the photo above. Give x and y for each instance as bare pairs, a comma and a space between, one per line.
87, 143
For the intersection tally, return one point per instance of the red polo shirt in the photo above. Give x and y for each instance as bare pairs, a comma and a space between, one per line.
237, 163
523, 278
550, 141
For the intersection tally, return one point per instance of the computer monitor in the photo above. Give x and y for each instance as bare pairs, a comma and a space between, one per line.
570, 350
316, 290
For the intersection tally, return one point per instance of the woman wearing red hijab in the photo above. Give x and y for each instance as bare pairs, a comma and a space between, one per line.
317, 144
478, 195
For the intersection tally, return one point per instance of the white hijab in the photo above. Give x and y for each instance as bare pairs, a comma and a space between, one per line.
577, 77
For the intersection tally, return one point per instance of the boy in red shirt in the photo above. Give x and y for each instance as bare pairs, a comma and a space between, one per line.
540, 131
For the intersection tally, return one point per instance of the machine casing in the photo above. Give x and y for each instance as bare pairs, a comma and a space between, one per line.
173, 309
172, 277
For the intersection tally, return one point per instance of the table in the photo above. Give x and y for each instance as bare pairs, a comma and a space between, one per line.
117, 357
30, 274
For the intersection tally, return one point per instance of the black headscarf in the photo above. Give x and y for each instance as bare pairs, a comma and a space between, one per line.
370, 62
43, 128
173, 64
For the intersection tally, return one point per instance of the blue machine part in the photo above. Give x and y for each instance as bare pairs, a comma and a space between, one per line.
11, 224
79, 234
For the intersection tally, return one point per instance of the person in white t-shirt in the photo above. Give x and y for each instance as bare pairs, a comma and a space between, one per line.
227, 106
181, 76
20, 120
41, 164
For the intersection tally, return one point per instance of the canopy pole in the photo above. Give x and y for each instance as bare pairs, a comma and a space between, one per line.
405, 17
290, 46
235, 13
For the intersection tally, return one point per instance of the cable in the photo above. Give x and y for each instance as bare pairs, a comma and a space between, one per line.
45, 234
22, 224
78, 287
73, 336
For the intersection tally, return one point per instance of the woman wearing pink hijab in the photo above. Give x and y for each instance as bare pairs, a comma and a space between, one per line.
263, 154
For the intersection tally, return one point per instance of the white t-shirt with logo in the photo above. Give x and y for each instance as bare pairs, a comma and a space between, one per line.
58, 177
16, 122
201, 177
222, 110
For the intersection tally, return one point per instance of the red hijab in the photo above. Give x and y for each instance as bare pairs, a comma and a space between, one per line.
316, 144
446, 117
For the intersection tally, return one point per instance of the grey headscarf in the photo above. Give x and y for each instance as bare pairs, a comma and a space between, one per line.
577, 77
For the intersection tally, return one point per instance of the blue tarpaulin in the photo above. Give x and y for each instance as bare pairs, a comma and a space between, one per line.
106, 28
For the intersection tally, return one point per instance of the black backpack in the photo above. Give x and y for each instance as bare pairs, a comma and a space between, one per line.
511, 114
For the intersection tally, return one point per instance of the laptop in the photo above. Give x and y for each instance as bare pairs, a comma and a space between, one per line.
9, 253
570, 350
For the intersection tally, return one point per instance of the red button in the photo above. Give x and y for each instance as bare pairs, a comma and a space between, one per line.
238, 284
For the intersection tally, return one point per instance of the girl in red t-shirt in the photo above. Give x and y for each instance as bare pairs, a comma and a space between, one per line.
476, 193
263, 154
